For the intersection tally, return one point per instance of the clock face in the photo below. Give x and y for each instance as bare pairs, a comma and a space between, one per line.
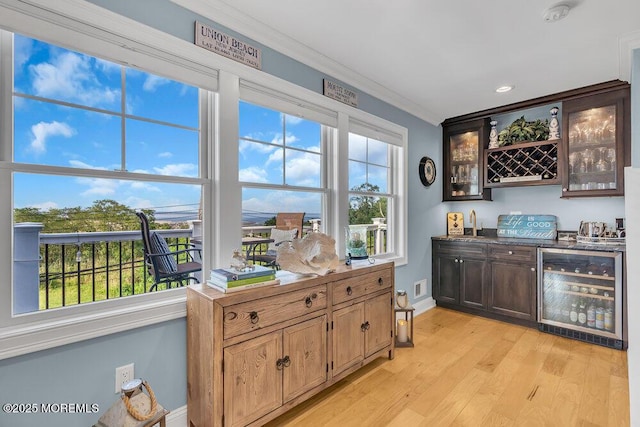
427, 171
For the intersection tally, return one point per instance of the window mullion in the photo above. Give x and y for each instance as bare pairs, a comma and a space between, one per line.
123, 119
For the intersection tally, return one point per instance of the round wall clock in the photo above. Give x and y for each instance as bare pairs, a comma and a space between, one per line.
427, 171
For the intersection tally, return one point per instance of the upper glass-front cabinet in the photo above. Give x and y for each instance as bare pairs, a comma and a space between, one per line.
595, 141
464, 144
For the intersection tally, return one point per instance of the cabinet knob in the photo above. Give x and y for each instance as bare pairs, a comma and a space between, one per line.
533, 269
461, 261
349, 290
365, 326
564, 189
286, 362
279, 364
510, 252
455, 260
254, 317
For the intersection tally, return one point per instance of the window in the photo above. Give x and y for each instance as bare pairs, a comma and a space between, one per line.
369, 196
280, 167
92, 142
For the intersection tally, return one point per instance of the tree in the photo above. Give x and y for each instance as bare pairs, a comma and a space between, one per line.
364, 207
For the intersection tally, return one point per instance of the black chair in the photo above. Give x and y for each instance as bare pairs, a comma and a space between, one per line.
285, 221
162, 262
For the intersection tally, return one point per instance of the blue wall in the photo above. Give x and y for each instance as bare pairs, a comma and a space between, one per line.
83, 372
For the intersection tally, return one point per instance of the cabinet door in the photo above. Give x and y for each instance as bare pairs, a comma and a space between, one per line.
472, 282
596, 144
464, 145
252, 380
306, 346
513, 290
446, 278
348, 337
377, 314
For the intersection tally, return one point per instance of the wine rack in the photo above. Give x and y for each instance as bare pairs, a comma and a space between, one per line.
527, 163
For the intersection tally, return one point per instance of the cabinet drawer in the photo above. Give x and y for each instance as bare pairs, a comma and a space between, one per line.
478, 250
355, 287
250, 316
512, 253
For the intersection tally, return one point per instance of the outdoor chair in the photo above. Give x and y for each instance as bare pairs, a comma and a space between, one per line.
288, 227
162, 262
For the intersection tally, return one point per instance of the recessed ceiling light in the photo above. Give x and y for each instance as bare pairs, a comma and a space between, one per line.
503, 89
555, 13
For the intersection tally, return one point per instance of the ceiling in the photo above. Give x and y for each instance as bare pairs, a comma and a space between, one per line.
441, 59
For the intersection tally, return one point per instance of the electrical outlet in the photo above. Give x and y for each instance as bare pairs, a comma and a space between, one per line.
124, 374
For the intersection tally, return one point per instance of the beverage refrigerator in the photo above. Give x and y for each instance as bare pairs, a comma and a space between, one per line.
580, 295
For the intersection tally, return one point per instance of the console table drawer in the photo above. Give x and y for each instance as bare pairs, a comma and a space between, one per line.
252, 315
512, 253
355, 287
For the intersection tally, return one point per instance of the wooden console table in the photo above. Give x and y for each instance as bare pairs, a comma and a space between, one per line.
252, 355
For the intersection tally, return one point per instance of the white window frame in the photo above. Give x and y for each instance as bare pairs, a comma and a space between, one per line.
85, 27
149, 51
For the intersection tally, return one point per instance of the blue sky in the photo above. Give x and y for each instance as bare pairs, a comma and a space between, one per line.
161, 137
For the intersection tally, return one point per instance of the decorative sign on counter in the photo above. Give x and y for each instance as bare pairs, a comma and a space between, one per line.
227, 45
455, 224
527, 226
335, 91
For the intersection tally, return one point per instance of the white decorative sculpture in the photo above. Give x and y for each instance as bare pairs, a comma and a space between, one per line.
554, 126
493, 135
315, 253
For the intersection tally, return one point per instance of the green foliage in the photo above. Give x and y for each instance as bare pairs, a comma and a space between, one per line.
521, 130
363, 208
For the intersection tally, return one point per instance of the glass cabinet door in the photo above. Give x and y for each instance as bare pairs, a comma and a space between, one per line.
463, 152
595, 138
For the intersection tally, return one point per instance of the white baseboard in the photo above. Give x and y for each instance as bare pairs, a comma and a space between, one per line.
178, 417
424, 305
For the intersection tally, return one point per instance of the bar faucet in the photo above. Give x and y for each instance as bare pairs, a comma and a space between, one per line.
472, 218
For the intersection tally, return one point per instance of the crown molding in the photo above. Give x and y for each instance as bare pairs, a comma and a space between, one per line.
628, 43
226, 15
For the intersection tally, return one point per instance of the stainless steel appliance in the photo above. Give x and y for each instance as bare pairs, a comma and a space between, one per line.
580, 295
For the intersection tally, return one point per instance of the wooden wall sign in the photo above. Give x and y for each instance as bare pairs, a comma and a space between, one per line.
227, 45
455, 224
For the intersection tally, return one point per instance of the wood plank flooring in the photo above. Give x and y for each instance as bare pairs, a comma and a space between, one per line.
470, 371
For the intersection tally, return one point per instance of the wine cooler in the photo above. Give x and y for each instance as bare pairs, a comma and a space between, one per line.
580, 295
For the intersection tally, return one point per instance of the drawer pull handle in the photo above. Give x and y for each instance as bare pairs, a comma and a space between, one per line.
254, 317
349, 290
380, 281
279, 364
286, 362
308, 302
510, 252
365, 326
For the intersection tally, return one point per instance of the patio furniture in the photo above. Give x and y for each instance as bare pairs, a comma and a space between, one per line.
162, 262
288, 227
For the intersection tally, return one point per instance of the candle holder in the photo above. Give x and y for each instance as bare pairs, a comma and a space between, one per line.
404, 326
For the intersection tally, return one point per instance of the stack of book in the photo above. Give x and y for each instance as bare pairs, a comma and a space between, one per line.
230, 280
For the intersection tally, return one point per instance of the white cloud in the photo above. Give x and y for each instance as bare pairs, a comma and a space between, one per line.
70, 76
98, 187
292, 120
253, 174
165, 154
151, 83
179, 169
44, 130
303, 169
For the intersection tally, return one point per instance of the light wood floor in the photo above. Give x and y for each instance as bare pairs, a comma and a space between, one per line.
471, 371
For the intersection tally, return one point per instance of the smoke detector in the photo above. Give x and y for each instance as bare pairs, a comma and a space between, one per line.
555, 13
